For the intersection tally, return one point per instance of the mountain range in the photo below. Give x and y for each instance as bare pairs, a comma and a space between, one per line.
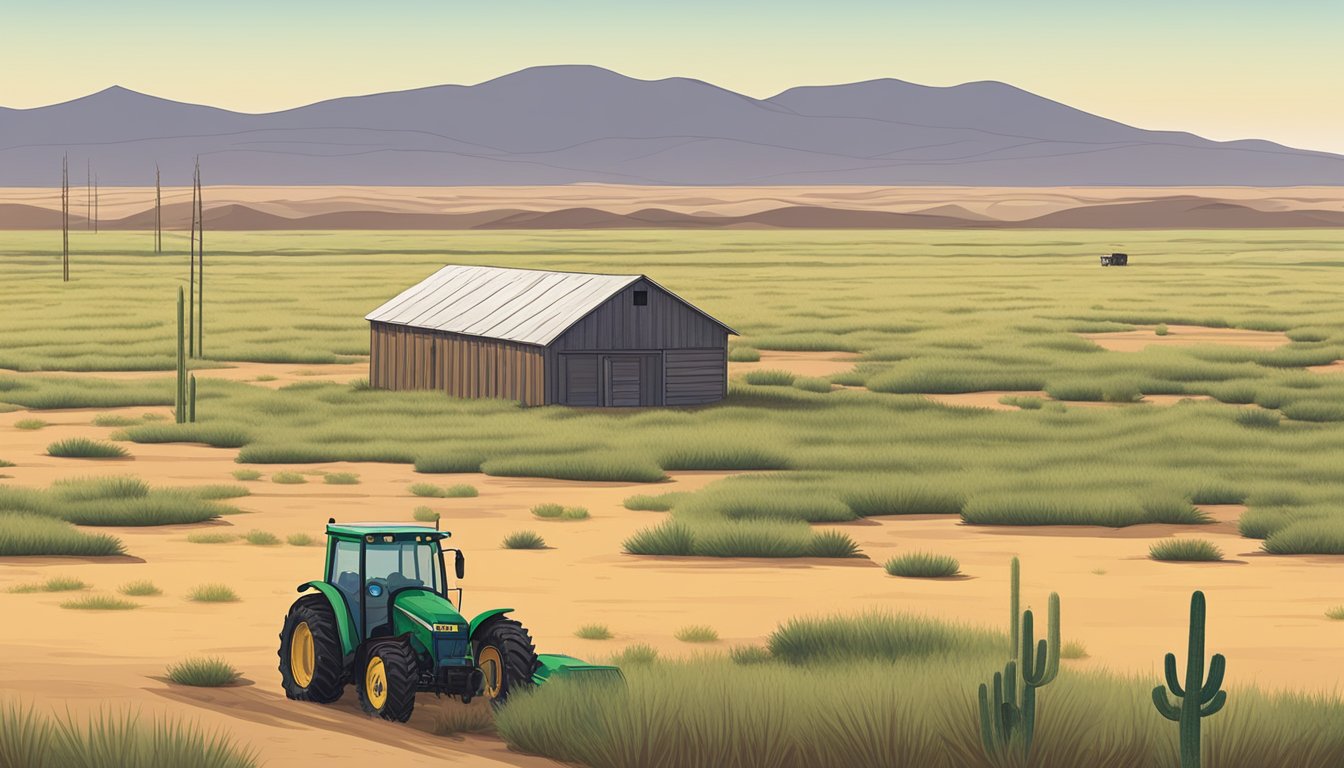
576, 124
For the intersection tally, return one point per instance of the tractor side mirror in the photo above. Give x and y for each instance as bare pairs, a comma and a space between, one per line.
460, 564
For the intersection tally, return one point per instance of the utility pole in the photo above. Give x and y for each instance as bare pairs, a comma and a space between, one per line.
158, 212
88, 194
191, 294
65, 218
95, 204
200, 257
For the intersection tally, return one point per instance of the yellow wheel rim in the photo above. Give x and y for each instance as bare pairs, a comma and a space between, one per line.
302, 656
492, 670
375, 682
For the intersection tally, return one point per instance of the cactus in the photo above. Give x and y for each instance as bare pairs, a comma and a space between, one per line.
191, 408
1007, 718
1000, 715
1200, 696
180, 402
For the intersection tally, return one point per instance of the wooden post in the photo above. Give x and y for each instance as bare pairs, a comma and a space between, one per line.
191, 295
200, 258
88, 194
65, 218
158, 212
95, 204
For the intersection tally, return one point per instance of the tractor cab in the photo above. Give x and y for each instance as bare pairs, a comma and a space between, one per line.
373, 563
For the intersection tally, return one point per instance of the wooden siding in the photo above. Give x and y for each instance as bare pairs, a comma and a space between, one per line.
665, 323
695, 376
410, 358
592, 379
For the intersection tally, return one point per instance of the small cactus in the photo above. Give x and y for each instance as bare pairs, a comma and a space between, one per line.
1001, 714
1040, 664
191, 407
1006, 719
1200, 696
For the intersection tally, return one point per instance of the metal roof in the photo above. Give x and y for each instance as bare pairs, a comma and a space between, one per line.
524, 305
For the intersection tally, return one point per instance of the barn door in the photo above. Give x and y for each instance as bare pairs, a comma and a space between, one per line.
622, 381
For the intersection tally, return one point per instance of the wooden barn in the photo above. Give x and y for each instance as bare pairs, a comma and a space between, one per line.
547, 338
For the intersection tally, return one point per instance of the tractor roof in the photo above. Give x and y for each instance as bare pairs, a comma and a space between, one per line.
360, 530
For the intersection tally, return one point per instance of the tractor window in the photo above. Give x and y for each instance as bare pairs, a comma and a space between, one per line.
403, 564
345, 574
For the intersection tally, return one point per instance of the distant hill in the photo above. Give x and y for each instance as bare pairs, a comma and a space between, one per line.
570, 124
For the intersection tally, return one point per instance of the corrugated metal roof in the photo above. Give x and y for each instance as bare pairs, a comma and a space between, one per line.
523, 305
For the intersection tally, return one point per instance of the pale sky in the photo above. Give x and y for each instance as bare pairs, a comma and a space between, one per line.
1226, 70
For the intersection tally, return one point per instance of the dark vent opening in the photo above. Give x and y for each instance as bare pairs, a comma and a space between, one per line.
641, 298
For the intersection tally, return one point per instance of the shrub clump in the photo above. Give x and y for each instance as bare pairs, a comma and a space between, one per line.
210, 537
1185, 550
559, 512
246, 474
636, 655
697, 633
54, 584
84, 448
99, 603
593, 632
213, 593
204, 673
288, 478
654, 503
524, 540
769, 378
261, 538
141, 588
38, 535
300, 540
341, 478
923, 565
424, 515
741, 354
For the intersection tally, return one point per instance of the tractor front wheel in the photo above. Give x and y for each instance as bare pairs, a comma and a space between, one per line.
388, 681
506, 657
310, 652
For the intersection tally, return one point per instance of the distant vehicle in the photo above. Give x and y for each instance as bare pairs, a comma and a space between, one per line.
1115, 260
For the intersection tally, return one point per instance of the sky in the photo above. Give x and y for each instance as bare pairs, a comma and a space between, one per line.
1225, 70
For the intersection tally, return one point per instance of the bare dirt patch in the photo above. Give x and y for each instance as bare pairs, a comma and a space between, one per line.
1185, 335
799, 363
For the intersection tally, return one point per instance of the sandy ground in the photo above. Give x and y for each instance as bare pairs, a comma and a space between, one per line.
1266, 613
1178, 335
1002, 203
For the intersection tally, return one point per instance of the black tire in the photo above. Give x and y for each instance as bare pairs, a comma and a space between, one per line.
401, 672
328, 680
518, 655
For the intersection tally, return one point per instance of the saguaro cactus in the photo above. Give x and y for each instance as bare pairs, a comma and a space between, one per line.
1040, 664
180, 402
1200, 696
191, 407
1001, 714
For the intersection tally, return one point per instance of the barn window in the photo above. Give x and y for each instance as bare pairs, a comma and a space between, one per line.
641, 298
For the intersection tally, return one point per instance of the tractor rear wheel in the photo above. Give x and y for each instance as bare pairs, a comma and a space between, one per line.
310, 652
388, 681
506, 657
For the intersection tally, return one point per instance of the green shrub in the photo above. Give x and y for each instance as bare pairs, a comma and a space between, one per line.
1073, 649
288, 478
697, 633
23, 534
430, 490
1314, 410
261, 538
204, 673
449, 463
1161, 329
341, 478
213, 593
1257, 418
246, 474
84, 448
301, 540
1025, 402
1217, 493
217, 491
1336, 613
99, 603
593, 632
524, 540
741, 354
635, 655
875, 636
548, 511
30, 424
832, 544
875, 498
141, 588
1114, 511
721, 457
1313, 536
769, 378
649, 503
117, 420
923, 565
4, 464
669, 538
424, 515
1185, 550
461, 491
210, 537
53, 584
574, 513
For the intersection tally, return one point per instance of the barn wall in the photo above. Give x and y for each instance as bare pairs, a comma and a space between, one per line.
404, 358
695, 376
666, 323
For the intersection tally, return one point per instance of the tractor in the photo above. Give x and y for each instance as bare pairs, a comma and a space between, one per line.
385, 619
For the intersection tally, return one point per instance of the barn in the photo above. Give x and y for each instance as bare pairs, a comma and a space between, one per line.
545, 338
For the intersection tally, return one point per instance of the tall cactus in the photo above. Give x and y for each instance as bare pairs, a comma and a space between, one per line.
180, 402
1005, 718
191, 406
1200, 697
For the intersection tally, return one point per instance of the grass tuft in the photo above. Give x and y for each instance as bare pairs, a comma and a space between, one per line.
300, 540
424, 515
341, 478
651, 503
246, 474
697, 633
30, 424
923, 565
769, 378
524, 540
141, 588
213, 593
429, 490
1073, 649
54, 584
204, 673
23, 534
593, 632
636, 655
1185, 550
84, 448
261, 538
210, 537
289, 478
1336, 613
99, 603
750, 654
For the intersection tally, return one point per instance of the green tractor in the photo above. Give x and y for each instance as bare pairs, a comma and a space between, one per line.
384, 618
